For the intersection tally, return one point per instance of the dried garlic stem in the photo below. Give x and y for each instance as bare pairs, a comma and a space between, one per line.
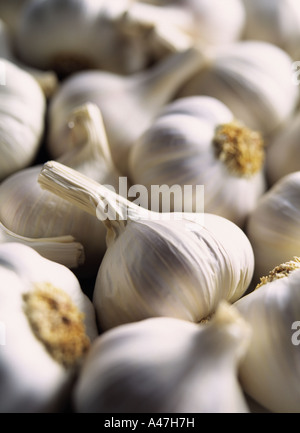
241, 149
85, 193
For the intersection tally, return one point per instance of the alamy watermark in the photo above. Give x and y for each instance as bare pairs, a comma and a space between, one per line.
296, 335
165, 202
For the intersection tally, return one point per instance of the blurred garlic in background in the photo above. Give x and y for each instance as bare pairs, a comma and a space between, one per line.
22, 121
276, 21
128, 104
254, 79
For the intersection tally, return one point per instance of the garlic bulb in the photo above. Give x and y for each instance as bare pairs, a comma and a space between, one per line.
270, 371
117, 36
276, 21
29, 211
49, 327
244, 78
166, 365
283, 152
22, 120
156, 264
62, 249
197, 141
273, 227
128, 104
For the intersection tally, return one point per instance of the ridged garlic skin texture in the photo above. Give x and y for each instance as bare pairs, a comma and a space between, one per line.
178, 149
276, 21
244, 78
270, 371
31, 380
164, 365
273, 227
22, 123
176, 268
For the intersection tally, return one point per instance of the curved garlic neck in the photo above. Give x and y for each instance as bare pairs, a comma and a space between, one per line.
240, 148
281, 271
57, 323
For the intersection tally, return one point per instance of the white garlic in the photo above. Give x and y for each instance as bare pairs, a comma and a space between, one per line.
244, 78
49, 325
62, 249
273, 227
128, 104
283, 152
22, 122
270, 372
276, 21
166, 365
197, 141
156, 264
70, 35
29, 211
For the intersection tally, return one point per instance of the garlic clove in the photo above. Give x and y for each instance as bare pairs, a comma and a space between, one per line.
270, 372
166, 365
273, 226
49, 326
242, 76
190, 265
140, 97
197, 141
61, 249
31, 212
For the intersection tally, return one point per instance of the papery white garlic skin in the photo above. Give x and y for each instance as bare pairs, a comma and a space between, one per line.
31, 379
283, 152
273, 227
180, 148
270, 371
162, 268
165, 365
128, 104
22, 122
243, 77
276, 21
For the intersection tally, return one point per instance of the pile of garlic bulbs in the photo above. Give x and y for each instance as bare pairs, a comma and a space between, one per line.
149, 206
